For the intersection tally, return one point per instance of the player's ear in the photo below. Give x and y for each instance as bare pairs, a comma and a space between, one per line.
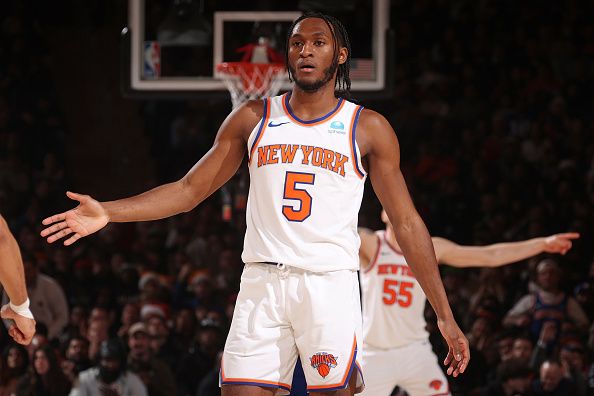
343, 54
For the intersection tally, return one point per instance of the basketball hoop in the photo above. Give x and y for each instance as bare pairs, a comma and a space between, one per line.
246, 80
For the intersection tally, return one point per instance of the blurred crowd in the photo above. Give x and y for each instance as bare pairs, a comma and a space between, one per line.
495, 118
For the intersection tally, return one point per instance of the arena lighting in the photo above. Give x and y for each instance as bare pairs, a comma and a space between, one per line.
185, 25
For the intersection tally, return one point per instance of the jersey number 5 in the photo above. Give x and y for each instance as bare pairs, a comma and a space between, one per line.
403, 296
297, 194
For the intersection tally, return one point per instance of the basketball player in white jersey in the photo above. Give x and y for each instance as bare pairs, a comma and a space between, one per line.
309, 153
396, 348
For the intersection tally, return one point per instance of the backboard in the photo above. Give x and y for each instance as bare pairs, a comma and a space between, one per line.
172, 47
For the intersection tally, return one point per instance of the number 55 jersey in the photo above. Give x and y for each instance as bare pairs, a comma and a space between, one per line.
306, 186
393, 300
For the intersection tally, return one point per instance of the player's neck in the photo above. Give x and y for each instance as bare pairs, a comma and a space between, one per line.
391, 237
312, 105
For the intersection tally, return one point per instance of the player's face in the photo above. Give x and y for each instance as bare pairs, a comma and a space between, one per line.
312, 58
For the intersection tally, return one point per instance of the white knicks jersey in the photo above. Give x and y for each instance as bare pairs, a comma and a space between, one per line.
306, 186
393, 300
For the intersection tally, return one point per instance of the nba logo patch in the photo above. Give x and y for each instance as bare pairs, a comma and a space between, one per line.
323, 362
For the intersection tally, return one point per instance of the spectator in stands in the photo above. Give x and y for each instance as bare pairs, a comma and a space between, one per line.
481, 334
573, 361
161, 343
551, 381
203, 293
505, 346
13, 367
200, 358
130, 315
127, 283
77, 324
155, 374
105, 315
152, 289
97, 334
513, 378
185, 326
522, 349
44, 377
548, 303
110, 376
48, 302
76, 357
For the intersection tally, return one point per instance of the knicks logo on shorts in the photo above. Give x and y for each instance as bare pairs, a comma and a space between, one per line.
323, 362
435, 384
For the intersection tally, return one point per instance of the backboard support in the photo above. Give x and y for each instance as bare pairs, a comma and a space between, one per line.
145, 70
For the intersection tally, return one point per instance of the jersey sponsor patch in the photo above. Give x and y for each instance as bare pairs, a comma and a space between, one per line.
323, 362
337, 127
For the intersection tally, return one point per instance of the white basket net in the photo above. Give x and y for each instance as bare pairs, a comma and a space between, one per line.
247, 81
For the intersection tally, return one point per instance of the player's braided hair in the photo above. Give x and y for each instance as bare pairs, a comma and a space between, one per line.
341, 39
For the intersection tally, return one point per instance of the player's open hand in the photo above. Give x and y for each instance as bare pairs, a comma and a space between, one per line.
458, 350
560, 243
88, 217
21, 329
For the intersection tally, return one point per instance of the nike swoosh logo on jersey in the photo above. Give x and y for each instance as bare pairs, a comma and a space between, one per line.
271, 125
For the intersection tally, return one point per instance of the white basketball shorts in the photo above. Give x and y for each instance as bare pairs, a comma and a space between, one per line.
282, 312
414, 368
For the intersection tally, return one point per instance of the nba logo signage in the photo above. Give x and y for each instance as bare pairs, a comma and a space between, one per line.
152, 60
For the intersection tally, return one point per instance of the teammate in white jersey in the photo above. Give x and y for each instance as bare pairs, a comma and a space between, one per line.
396, 345
309, 153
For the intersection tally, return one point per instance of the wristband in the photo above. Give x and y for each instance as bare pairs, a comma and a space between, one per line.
22, 309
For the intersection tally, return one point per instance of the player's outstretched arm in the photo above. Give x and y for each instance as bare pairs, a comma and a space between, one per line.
378, 142
498, 254
211, 172
12, 277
